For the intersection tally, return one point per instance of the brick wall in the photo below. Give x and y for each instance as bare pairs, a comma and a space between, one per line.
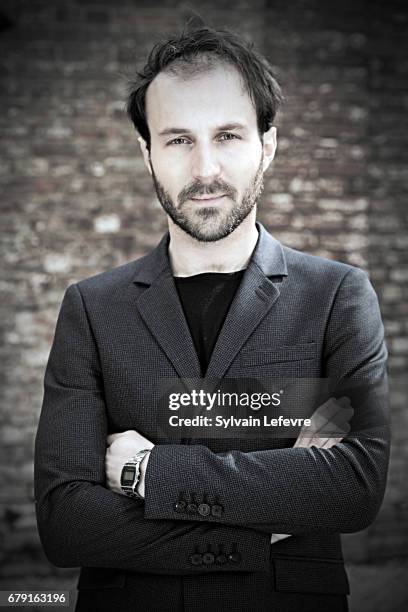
76, 199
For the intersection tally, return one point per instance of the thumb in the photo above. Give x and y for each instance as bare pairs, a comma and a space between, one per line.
112, 437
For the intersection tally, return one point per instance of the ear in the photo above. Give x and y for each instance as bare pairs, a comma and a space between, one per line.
145, 153
269, 146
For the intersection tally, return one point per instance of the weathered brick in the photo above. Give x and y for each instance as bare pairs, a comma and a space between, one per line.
76, 198
400, 346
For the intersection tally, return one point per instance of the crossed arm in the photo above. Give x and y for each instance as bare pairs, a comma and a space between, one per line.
299, 490
295, 490
333, 416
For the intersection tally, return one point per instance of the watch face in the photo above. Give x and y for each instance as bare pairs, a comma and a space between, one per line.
128, 475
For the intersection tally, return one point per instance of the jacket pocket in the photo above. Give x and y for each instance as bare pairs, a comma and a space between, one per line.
311, 576
101, 578
279, 354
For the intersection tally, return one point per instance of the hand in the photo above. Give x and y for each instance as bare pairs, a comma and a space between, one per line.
121, 447
332, 416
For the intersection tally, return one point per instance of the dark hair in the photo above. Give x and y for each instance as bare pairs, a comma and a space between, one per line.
198, 50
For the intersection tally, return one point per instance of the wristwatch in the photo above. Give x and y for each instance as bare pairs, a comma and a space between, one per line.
129, 478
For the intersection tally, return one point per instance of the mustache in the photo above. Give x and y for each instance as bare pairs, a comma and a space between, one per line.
197, 189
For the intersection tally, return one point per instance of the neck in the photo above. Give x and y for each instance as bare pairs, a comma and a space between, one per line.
189, 256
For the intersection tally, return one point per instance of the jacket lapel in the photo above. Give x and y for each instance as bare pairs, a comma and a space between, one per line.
160, 308
255, 296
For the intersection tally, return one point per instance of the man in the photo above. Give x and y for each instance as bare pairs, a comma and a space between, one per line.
185, 524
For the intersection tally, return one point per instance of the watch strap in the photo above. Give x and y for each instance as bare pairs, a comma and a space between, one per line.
129, 480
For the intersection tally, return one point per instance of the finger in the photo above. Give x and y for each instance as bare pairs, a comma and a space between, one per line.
331, 407
333, 430
340, 419
341, 414
329, 442
111, 438
325, 431
306, 442
327, 411
344, 401
319, 442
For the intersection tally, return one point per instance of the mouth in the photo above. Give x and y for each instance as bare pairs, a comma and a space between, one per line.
208, 199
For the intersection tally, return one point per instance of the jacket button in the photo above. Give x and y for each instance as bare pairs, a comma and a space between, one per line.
180, 506
204, 509
221, 559
191, 508
217, 510
234, 557
196, 559
208, 558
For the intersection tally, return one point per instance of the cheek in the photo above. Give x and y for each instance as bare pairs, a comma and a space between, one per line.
244, 162
242, 172
170, 173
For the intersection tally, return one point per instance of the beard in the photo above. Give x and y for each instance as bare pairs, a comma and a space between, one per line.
210, 223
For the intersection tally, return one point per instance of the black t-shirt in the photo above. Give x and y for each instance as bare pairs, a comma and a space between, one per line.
206, 299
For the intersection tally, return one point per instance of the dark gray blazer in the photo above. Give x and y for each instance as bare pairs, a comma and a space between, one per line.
294, 315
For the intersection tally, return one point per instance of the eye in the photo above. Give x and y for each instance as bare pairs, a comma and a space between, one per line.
178, 141
228, 136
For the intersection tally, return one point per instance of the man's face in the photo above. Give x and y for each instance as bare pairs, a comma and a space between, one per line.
206, 156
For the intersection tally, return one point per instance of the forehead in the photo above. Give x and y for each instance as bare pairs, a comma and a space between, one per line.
208, 98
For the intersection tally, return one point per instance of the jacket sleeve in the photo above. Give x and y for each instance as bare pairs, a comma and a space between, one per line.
299, 490
80, 521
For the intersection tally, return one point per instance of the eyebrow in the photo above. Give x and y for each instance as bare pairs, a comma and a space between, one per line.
221, 128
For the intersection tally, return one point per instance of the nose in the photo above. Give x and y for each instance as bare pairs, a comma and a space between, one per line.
205, 162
